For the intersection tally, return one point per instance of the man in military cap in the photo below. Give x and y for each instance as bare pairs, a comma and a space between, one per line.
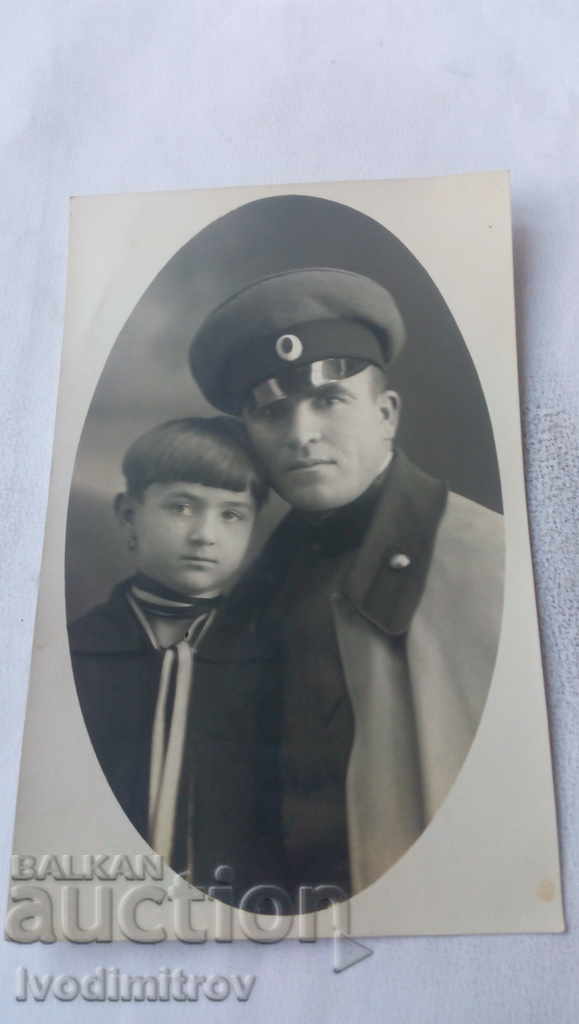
385, 590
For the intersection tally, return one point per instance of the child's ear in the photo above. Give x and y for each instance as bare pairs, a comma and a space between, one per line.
124, 509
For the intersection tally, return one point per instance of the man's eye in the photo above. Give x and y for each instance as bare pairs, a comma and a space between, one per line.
269, 413
326, 401
181, 509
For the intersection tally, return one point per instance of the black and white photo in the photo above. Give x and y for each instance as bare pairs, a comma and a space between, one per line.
294, 502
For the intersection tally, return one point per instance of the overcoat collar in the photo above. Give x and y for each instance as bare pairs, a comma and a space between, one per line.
385, 589
387, 577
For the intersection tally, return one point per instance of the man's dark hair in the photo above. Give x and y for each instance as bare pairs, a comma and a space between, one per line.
213, 451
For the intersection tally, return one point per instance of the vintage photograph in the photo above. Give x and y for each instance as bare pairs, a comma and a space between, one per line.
284, 544
298, 711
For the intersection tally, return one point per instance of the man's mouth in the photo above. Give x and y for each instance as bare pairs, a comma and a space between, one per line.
198, 560
300, 464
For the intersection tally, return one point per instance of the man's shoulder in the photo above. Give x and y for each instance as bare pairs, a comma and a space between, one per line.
468, 560
467, 527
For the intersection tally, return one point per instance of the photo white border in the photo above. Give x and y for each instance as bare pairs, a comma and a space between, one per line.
488, 863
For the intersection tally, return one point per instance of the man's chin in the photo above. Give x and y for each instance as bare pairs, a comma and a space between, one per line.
311, 499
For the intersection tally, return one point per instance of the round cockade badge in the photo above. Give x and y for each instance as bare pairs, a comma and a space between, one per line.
289, 347
399, 561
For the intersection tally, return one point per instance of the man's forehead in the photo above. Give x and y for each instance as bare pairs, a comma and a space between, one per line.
305, 394
306, 380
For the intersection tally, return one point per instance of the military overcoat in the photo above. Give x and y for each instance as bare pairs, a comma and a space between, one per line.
417, 619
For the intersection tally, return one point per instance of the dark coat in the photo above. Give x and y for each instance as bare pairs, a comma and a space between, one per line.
232, 736
417, 618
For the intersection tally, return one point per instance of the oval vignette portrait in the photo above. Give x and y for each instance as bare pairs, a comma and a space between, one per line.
284, 554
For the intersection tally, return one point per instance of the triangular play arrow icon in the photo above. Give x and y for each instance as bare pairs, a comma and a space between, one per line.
348, 952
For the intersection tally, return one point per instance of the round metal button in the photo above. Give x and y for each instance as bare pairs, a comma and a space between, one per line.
399, 561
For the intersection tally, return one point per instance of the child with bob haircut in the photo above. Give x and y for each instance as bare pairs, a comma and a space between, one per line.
169, 683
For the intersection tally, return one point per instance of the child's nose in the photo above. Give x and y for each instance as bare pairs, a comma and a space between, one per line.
202, 530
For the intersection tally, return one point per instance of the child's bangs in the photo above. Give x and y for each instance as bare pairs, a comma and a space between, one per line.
208, 461
213, 452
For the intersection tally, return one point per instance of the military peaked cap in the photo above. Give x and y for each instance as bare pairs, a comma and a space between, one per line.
293, 330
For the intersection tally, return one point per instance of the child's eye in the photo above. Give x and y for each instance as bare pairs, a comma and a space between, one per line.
232, 514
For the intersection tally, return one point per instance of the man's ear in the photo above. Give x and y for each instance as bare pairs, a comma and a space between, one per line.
390, 404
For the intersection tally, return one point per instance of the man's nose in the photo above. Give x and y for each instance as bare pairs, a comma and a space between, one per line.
202, 529
304, 426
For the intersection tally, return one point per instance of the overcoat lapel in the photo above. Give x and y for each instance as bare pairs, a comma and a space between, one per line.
387, 578
418, 639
